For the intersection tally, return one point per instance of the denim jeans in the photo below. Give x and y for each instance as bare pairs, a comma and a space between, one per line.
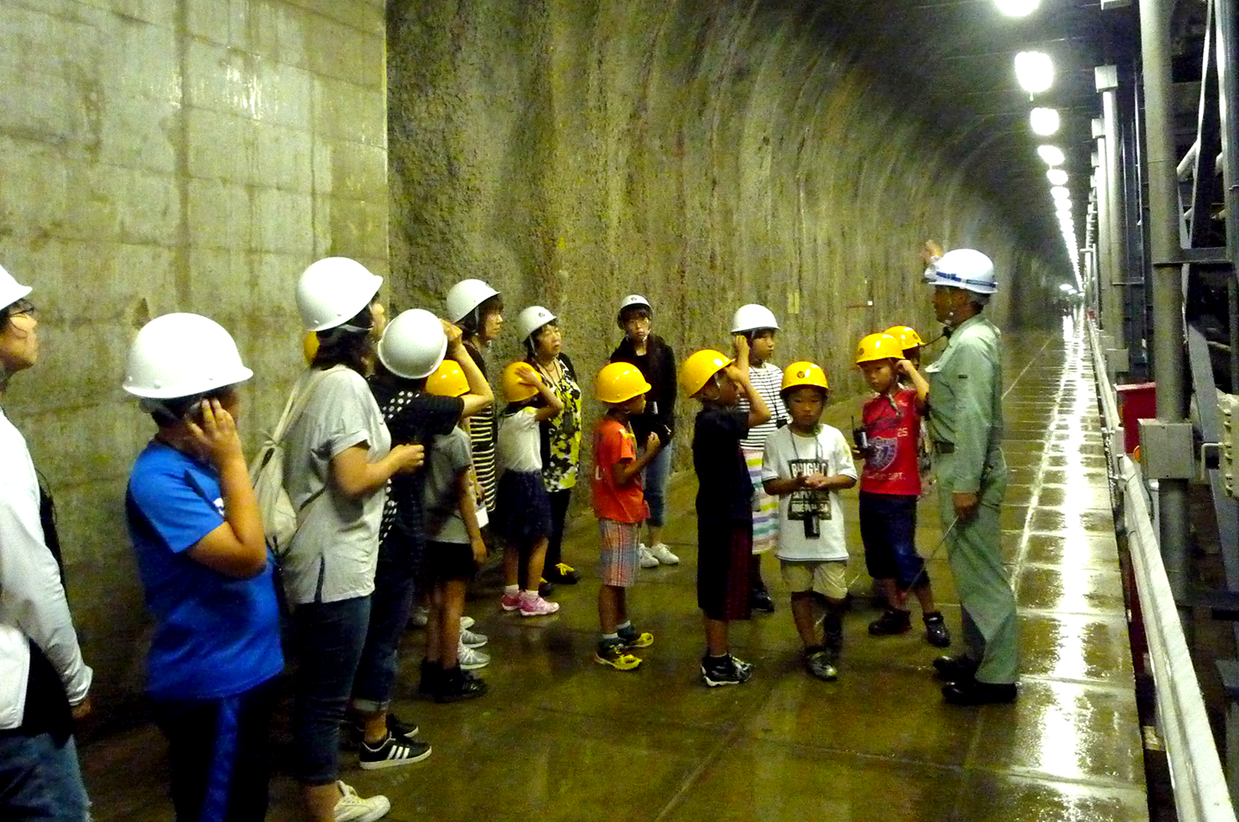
40, 779
394, 584
655, 485
888, 531
327, 642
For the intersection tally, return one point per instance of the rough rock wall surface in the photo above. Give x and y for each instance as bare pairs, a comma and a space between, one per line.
704, 153
166, 156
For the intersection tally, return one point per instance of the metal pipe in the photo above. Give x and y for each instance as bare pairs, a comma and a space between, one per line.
1184, 168
1228, 100
1105, 262
1114, 215
1167, 290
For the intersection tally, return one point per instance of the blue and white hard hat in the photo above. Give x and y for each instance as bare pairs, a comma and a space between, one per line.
963, 268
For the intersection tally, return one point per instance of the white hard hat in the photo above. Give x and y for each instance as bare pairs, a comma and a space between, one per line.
180, 355
963, 268
333, 290
531, 319
413, 344
630, 301
465, 296
10, 290
752, 317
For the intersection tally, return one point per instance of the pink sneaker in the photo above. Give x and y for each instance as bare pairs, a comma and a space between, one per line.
510, 602
538, 607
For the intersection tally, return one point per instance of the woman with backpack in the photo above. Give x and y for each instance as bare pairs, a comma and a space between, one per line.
338, 459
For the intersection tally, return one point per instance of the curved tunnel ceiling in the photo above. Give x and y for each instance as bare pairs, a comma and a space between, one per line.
953, 61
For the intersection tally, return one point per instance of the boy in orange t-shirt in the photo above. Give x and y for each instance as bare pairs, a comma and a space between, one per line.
619, 504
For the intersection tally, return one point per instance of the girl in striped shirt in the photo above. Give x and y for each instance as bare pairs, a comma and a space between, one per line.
758, 325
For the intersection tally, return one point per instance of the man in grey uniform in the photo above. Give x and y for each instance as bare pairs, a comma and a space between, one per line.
965, 426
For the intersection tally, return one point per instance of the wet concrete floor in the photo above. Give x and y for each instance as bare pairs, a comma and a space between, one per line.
562, 738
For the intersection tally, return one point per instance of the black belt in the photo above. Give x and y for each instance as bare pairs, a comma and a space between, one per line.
944, 447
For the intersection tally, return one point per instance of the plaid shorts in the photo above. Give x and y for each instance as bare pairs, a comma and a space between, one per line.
619, 542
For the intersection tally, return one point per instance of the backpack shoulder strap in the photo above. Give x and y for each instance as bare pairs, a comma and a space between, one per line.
299, 398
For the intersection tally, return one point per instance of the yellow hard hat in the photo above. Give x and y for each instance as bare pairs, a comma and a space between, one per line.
512, 385
619, 382
448, 380
700, 367
800, 374
906, 335
309, 346
879, 347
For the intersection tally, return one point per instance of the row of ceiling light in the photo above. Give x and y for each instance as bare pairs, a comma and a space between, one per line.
1035, 73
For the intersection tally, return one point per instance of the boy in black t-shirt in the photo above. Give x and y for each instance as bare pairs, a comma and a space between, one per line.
724, 500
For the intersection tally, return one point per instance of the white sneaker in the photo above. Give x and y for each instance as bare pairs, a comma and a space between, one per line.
466, 622
471, 640
471, 659
663, 554
645, 558
352, 808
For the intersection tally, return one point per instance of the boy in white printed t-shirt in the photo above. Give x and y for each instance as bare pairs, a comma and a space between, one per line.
805, 464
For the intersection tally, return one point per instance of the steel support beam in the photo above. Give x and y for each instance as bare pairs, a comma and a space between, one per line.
1112, 150
1167, 288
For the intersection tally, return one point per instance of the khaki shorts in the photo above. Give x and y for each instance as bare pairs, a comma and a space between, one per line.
827, 577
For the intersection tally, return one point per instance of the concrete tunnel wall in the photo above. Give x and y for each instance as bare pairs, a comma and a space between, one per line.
196, 155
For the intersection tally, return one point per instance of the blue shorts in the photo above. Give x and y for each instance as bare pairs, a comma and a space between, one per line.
522, 508
888, 530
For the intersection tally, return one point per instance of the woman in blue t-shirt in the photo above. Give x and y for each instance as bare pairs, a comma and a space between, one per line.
198, 536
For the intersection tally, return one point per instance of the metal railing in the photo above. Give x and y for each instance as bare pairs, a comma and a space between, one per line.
1200, 786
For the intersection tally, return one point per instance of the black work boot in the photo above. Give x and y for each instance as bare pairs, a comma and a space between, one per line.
960, 668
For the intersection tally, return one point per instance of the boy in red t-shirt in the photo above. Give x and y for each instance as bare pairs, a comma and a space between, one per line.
619, 504
890, 485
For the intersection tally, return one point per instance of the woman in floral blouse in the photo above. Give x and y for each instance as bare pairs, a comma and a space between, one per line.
561, 435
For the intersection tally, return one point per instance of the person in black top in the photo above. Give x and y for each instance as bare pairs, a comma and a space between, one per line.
656, 361
413, 345
724, 501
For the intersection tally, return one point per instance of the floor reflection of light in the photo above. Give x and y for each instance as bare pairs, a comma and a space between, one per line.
1056, 733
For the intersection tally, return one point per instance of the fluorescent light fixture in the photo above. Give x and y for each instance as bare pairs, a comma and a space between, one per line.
1053, 155
1044, 121
1057, 177
1034, 71
1017, 8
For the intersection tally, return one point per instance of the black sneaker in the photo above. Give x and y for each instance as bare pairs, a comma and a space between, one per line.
395, 726
614, 653
632, 638
725, 671
936, 633
561, 573
956, 668
458, 684
891, 623
760, 600
820, 663
392, 752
